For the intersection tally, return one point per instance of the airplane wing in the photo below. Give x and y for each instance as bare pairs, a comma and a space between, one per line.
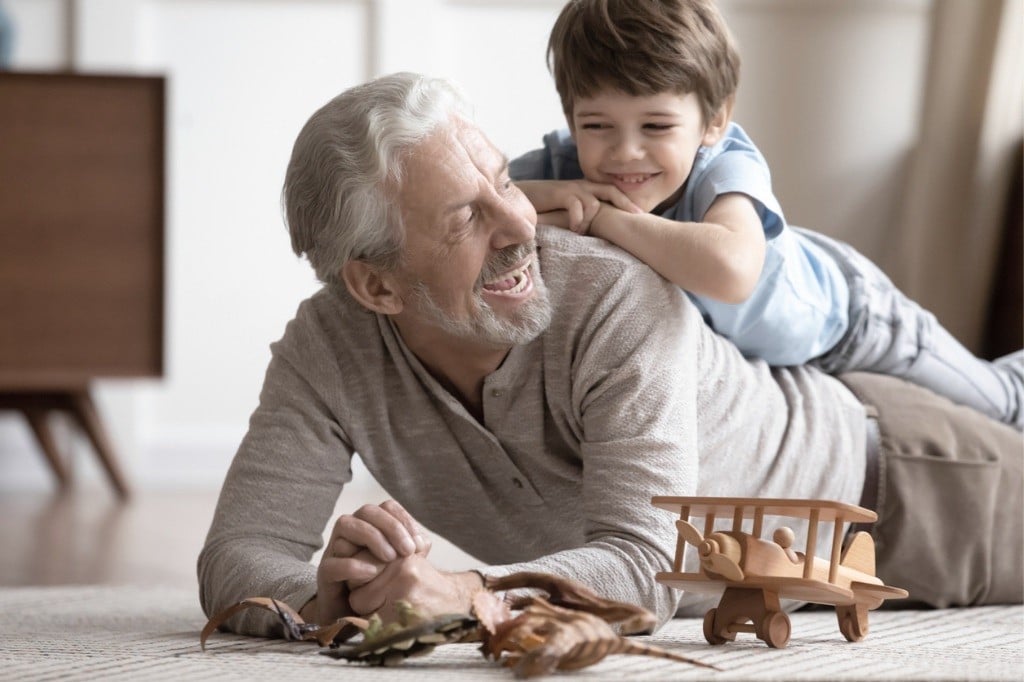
800, 589
749, 507
879, 592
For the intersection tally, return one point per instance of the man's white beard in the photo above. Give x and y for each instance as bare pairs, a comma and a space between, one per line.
485, 325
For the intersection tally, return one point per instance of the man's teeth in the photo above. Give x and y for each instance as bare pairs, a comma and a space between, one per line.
510, 283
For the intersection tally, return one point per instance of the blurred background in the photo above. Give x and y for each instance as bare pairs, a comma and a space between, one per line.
892, 124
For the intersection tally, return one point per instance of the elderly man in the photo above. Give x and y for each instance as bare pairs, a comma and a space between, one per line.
524, 392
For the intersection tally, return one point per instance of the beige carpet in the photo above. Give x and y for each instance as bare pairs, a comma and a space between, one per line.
135, 633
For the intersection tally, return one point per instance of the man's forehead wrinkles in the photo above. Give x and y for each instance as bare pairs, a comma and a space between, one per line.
448, 171
479, 150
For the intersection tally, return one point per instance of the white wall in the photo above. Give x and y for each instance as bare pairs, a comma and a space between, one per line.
830, 90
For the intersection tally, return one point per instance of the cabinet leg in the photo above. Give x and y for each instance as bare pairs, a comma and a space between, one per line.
37, 405
36, 419
84, 410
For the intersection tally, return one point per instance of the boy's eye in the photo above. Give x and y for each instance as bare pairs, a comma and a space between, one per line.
658, 127
595, 126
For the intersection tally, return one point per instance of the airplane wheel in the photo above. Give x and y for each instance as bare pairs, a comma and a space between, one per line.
775, 629
851, 624
709, 629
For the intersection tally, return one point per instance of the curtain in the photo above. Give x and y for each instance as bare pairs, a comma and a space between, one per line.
972, 122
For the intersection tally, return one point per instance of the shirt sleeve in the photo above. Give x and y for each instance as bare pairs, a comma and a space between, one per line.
634, 403
279, 493
533, 165
791, 315
556, 160
744, 171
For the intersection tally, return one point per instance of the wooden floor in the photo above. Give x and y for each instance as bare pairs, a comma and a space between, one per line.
89, 537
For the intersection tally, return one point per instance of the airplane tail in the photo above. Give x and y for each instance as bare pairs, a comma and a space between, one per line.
860, 554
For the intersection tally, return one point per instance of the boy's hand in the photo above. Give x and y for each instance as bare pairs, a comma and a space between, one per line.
605, 215
573, 204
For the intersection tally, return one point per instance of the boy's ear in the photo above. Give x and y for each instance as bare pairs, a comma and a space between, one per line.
716, 126
373, 288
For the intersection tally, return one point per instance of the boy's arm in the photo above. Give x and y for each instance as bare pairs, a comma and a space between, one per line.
720, 258
580, 199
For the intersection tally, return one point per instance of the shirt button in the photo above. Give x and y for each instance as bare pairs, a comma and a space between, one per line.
496, 392
517, 483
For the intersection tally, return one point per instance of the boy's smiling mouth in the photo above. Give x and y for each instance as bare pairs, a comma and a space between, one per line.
631, 182
632, 178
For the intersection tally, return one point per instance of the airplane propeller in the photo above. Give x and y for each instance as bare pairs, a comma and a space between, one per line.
711, 557
689, 532
716, 562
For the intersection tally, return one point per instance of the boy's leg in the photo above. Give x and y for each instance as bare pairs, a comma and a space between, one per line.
891, 334
950, 524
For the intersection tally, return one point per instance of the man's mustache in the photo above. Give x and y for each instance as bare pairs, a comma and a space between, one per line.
504, 260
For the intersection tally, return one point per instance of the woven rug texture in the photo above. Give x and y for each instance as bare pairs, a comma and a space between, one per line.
140, 633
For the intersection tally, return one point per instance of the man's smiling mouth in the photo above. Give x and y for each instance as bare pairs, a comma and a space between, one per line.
512, 282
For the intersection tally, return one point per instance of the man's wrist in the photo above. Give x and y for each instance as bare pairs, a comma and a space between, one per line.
469, 583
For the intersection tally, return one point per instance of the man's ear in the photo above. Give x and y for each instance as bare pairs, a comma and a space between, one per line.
719, 122
375, 289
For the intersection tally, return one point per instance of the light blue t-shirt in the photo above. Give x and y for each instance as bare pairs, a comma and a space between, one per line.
799, 308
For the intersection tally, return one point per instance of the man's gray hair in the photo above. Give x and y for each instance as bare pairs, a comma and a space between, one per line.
346, 166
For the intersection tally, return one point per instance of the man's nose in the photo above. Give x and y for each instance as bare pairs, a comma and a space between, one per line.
515, 221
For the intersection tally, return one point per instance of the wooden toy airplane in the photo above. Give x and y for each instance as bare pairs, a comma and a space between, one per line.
753, 574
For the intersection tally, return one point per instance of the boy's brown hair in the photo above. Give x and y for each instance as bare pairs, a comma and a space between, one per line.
643, 47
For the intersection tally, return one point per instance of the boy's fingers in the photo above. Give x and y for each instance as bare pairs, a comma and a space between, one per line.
620, 200
575, 211
614, 196
559, 218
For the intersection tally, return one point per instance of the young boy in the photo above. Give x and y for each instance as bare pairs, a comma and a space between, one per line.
653, 163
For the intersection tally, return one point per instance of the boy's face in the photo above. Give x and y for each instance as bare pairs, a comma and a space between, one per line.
644, 145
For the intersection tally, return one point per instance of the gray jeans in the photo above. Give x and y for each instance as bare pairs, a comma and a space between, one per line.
950, 524
890, 334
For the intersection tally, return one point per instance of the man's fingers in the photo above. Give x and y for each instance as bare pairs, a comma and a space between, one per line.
387, 530
351, 534
340, 547
412, 527
372, 595
356, 570
366, 600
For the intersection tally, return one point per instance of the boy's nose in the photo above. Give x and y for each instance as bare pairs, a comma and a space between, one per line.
627, 148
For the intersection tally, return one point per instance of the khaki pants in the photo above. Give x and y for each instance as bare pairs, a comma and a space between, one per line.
951, 483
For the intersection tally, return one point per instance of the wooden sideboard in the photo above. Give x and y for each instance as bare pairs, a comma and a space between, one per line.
81, 246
